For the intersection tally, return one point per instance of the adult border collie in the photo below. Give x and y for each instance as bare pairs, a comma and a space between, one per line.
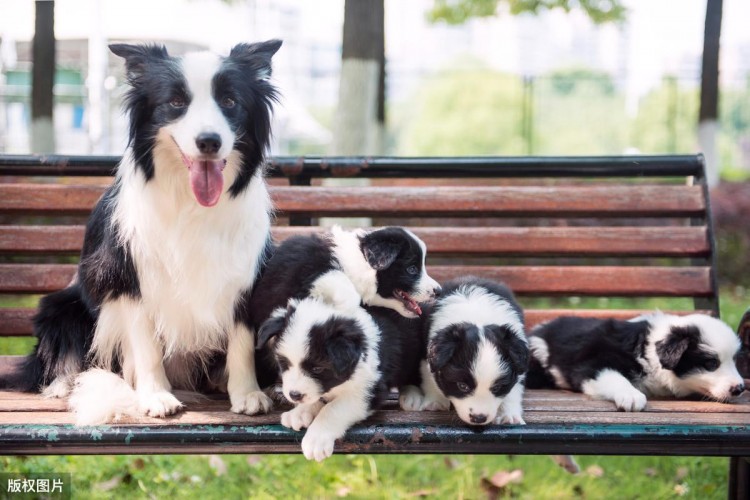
173, 247
624, 361
476, 356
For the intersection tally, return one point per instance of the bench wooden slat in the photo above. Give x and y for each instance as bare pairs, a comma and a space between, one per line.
522, 241
534, 400
558, 201
16, 322
642, 281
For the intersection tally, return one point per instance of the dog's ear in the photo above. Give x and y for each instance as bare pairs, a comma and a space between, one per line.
380, 249
270, 329
345, 344
511, 346
137, 57
445, 342
258, 55
671, 349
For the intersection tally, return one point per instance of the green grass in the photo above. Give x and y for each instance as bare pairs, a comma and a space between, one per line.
372, 476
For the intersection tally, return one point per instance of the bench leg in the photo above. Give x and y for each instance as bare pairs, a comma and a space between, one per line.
739, 478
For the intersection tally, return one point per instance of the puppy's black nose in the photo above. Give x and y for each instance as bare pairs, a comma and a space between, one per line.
296, 396
208, 143
737, 389
478, 419
437, 291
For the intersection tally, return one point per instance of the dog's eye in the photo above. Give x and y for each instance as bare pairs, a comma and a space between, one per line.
711, 365
177, 102
463, 387
317, 370
412, 270
227, 102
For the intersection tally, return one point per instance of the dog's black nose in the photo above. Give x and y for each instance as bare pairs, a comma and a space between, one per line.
478, 419
437, 291
208, 143
737, 389
296, 396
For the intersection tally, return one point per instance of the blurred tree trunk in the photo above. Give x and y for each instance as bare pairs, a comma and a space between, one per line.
361, 107
42, 78
709, 106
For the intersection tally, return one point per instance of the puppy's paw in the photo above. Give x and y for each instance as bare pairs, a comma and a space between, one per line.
411, 398
631, 400
251, 403
58, 389
159, 404
511, 418
437, 404
318, 445
298, 418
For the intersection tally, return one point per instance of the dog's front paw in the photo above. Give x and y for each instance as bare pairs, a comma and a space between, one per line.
159, 404
251, 403
632, 400
437, 404
298, 418
317, 445
510, 417
411, 398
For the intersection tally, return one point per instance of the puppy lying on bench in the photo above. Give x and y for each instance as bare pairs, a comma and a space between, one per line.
624, 361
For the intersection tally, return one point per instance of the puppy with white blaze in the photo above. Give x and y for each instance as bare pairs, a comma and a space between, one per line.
476, 356
336, 365
383, 267
626, 361
174, 246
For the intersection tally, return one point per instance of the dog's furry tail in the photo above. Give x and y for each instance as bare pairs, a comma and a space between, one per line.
64, 327
101, 397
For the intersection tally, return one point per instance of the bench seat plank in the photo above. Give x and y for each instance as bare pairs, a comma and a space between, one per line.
521, 241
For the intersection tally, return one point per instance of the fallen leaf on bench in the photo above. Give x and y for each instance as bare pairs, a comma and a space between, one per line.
594, 471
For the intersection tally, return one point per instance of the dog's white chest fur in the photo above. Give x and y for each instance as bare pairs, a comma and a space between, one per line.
193, 263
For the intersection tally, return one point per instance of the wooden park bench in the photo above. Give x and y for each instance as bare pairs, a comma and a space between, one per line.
593, 236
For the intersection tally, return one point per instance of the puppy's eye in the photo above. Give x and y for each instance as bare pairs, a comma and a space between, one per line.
412, 270
711, 365
177, 102
463, 387
317, 370
227, 102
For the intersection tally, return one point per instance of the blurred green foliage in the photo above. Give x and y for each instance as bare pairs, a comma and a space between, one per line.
460, 11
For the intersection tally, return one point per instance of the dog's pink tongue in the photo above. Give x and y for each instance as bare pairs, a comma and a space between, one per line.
207, 181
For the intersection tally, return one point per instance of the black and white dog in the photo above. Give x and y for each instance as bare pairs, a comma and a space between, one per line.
174, 246
383, 267
337, 365
624, 361
476, 356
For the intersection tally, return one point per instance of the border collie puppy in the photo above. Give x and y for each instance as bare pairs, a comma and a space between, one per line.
384, 267
623, 361
174, 246
476, 356
337, 365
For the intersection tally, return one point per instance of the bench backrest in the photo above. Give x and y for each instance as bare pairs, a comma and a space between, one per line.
595, 236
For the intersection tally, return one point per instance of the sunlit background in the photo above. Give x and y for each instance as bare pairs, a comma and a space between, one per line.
553, 83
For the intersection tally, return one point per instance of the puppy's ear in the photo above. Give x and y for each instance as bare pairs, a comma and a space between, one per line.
257, 55
137, 57
344, 346
446, 342
510, 346
269, 330
380, 249
671, 349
